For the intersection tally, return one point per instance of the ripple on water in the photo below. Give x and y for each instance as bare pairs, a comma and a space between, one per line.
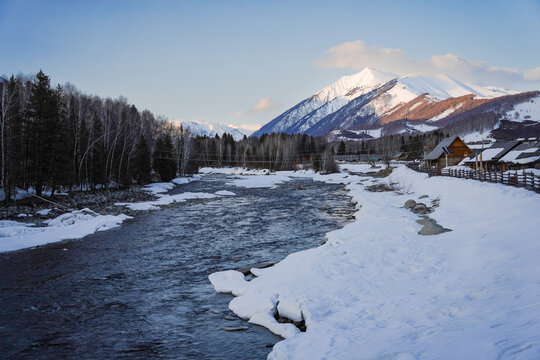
141, 291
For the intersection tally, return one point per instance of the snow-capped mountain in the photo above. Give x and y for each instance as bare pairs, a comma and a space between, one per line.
211, 129
373, 98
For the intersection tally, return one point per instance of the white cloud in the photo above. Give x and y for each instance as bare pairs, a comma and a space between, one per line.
264, 104
357, 55
532, 74
239, 113
251, 127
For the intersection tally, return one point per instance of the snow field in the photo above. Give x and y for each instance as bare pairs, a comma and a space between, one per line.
378, 289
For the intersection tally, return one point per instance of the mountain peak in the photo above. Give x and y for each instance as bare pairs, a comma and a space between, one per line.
372, 96
368, 78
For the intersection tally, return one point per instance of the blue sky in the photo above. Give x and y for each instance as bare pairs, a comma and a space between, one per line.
244, 62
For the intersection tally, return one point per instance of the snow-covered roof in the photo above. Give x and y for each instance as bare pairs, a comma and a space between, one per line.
438, 151
496, 151
523, 154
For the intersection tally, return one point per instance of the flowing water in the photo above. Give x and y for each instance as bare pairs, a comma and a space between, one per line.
141, 291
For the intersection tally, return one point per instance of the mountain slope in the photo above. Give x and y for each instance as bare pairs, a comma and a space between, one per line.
308, 112
373, 98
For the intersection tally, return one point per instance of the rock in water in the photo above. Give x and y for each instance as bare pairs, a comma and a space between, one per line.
237, 328
410, 203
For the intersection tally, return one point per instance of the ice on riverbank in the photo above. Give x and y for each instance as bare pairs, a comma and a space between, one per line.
73, 225
164, 199
159, 190
257, 178
225, 193
378, 289
233, 171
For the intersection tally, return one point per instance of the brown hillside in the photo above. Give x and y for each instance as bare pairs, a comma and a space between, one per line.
421, 108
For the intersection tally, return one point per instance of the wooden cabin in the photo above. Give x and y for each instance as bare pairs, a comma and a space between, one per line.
523, 156
448, 152
488, 158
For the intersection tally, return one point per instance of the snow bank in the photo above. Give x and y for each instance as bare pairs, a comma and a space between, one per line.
166, 200
163, 187
159, 190
458, 167
378, 289
233, 171
257, 178
361, 168
44, 212
225, 193
270, 180
72, 225
185, 180
527, 171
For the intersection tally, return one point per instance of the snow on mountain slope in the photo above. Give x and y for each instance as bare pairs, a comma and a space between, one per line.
308, 112
333, 107
359, 111
529, 110
211, 129
441, 87
367, 79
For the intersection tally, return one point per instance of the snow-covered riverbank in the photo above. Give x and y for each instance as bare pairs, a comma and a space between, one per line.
15, 235
378, 289
71, 225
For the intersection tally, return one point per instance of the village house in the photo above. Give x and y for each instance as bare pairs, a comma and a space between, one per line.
489, 158
448, 152
523, 156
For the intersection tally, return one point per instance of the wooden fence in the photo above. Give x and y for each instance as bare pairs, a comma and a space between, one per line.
518, 178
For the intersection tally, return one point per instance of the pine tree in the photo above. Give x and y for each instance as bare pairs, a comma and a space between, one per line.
41, 115
342, 149
62, 169
141, 166
164, 163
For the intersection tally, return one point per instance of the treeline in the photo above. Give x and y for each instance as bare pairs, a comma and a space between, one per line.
59, 138
274, 152
54, 139
414, 146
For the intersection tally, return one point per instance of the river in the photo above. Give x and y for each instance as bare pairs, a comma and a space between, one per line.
141, 291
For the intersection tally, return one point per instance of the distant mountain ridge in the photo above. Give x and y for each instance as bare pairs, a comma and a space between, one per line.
212, 129
373, 99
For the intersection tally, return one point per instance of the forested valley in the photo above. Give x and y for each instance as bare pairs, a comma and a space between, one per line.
58, 139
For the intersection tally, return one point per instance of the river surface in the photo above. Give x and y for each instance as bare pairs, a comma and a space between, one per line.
141, 291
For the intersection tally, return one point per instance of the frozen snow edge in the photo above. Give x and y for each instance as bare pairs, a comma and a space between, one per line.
160, 190
379, 289
72, 225
80, 223
257, 178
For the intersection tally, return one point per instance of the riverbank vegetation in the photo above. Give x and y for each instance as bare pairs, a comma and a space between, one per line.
58, 139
